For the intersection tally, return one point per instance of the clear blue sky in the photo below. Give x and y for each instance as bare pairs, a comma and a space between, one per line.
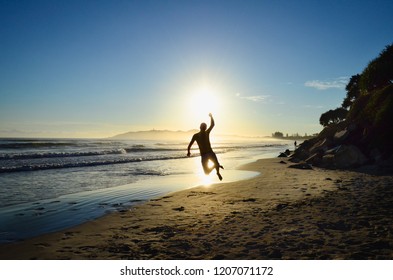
98, 68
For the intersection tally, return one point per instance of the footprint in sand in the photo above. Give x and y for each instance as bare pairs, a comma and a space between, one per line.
42, 245
181, 208
249, 200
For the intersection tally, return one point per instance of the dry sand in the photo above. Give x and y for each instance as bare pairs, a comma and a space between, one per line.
284, 213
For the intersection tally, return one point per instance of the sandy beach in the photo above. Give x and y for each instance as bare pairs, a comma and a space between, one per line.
284, 213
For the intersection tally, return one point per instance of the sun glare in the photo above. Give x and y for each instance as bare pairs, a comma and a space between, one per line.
207, 180
203, 101
201, 177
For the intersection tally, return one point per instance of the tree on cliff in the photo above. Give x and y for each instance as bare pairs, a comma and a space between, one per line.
369, 101
333, 116
367, 130
378, 73
376, 76
353, 91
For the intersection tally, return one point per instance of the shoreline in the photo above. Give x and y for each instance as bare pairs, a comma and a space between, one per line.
39, 202
28, 220
283, 213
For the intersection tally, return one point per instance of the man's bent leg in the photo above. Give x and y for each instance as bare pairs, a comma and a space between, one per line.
205, 164
217, 165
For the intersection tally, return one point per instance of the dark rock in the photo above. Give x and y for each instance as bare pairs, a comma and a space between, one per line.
320, 146
332, 150
327, 150
328, 160
314, 159
375, 155
349, 156
302, 152
302, 165
295, 160
300, 155
340, 136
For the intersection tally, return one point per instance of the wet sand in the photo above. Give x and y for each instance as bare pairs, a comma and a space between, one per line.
284, 213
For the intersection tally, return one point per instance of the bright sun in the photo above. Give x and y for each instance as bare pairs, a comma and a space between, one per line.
203, 101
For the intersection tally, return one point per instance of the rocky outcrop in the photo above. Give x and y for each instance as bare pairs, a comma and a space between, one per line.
344, 146
335, 148
347, 156
364, 134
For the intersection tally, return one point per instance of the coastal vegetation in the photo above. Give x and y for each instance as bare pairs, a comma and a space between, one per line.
359, 131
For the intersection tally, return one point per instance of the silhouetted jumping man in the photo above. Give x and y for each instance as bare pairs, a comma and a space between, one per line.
205, 149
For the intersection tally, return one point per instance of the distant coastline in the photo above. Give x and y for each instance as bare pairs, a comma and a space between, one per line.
173, 135
154, 134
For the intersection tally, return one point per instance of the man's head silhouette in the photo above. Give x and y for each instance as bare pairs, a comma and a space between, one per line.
203, 126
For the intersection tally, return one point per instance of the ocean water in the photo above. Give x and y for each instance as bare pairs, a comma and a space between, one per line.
51, 184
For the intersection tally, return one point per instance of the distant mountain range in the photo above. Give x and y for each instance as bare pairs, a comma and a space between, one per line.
156, 135
172, 135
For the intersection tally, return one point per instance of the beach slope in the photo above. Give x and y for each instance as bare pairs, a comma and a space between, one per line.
284, 213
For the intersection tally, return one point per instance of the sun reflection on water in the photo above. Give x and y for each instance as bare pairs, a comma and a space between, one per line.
207, 180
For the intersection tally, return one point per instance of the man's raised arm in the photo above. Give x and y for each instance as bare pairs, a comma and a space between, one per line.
211, 123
